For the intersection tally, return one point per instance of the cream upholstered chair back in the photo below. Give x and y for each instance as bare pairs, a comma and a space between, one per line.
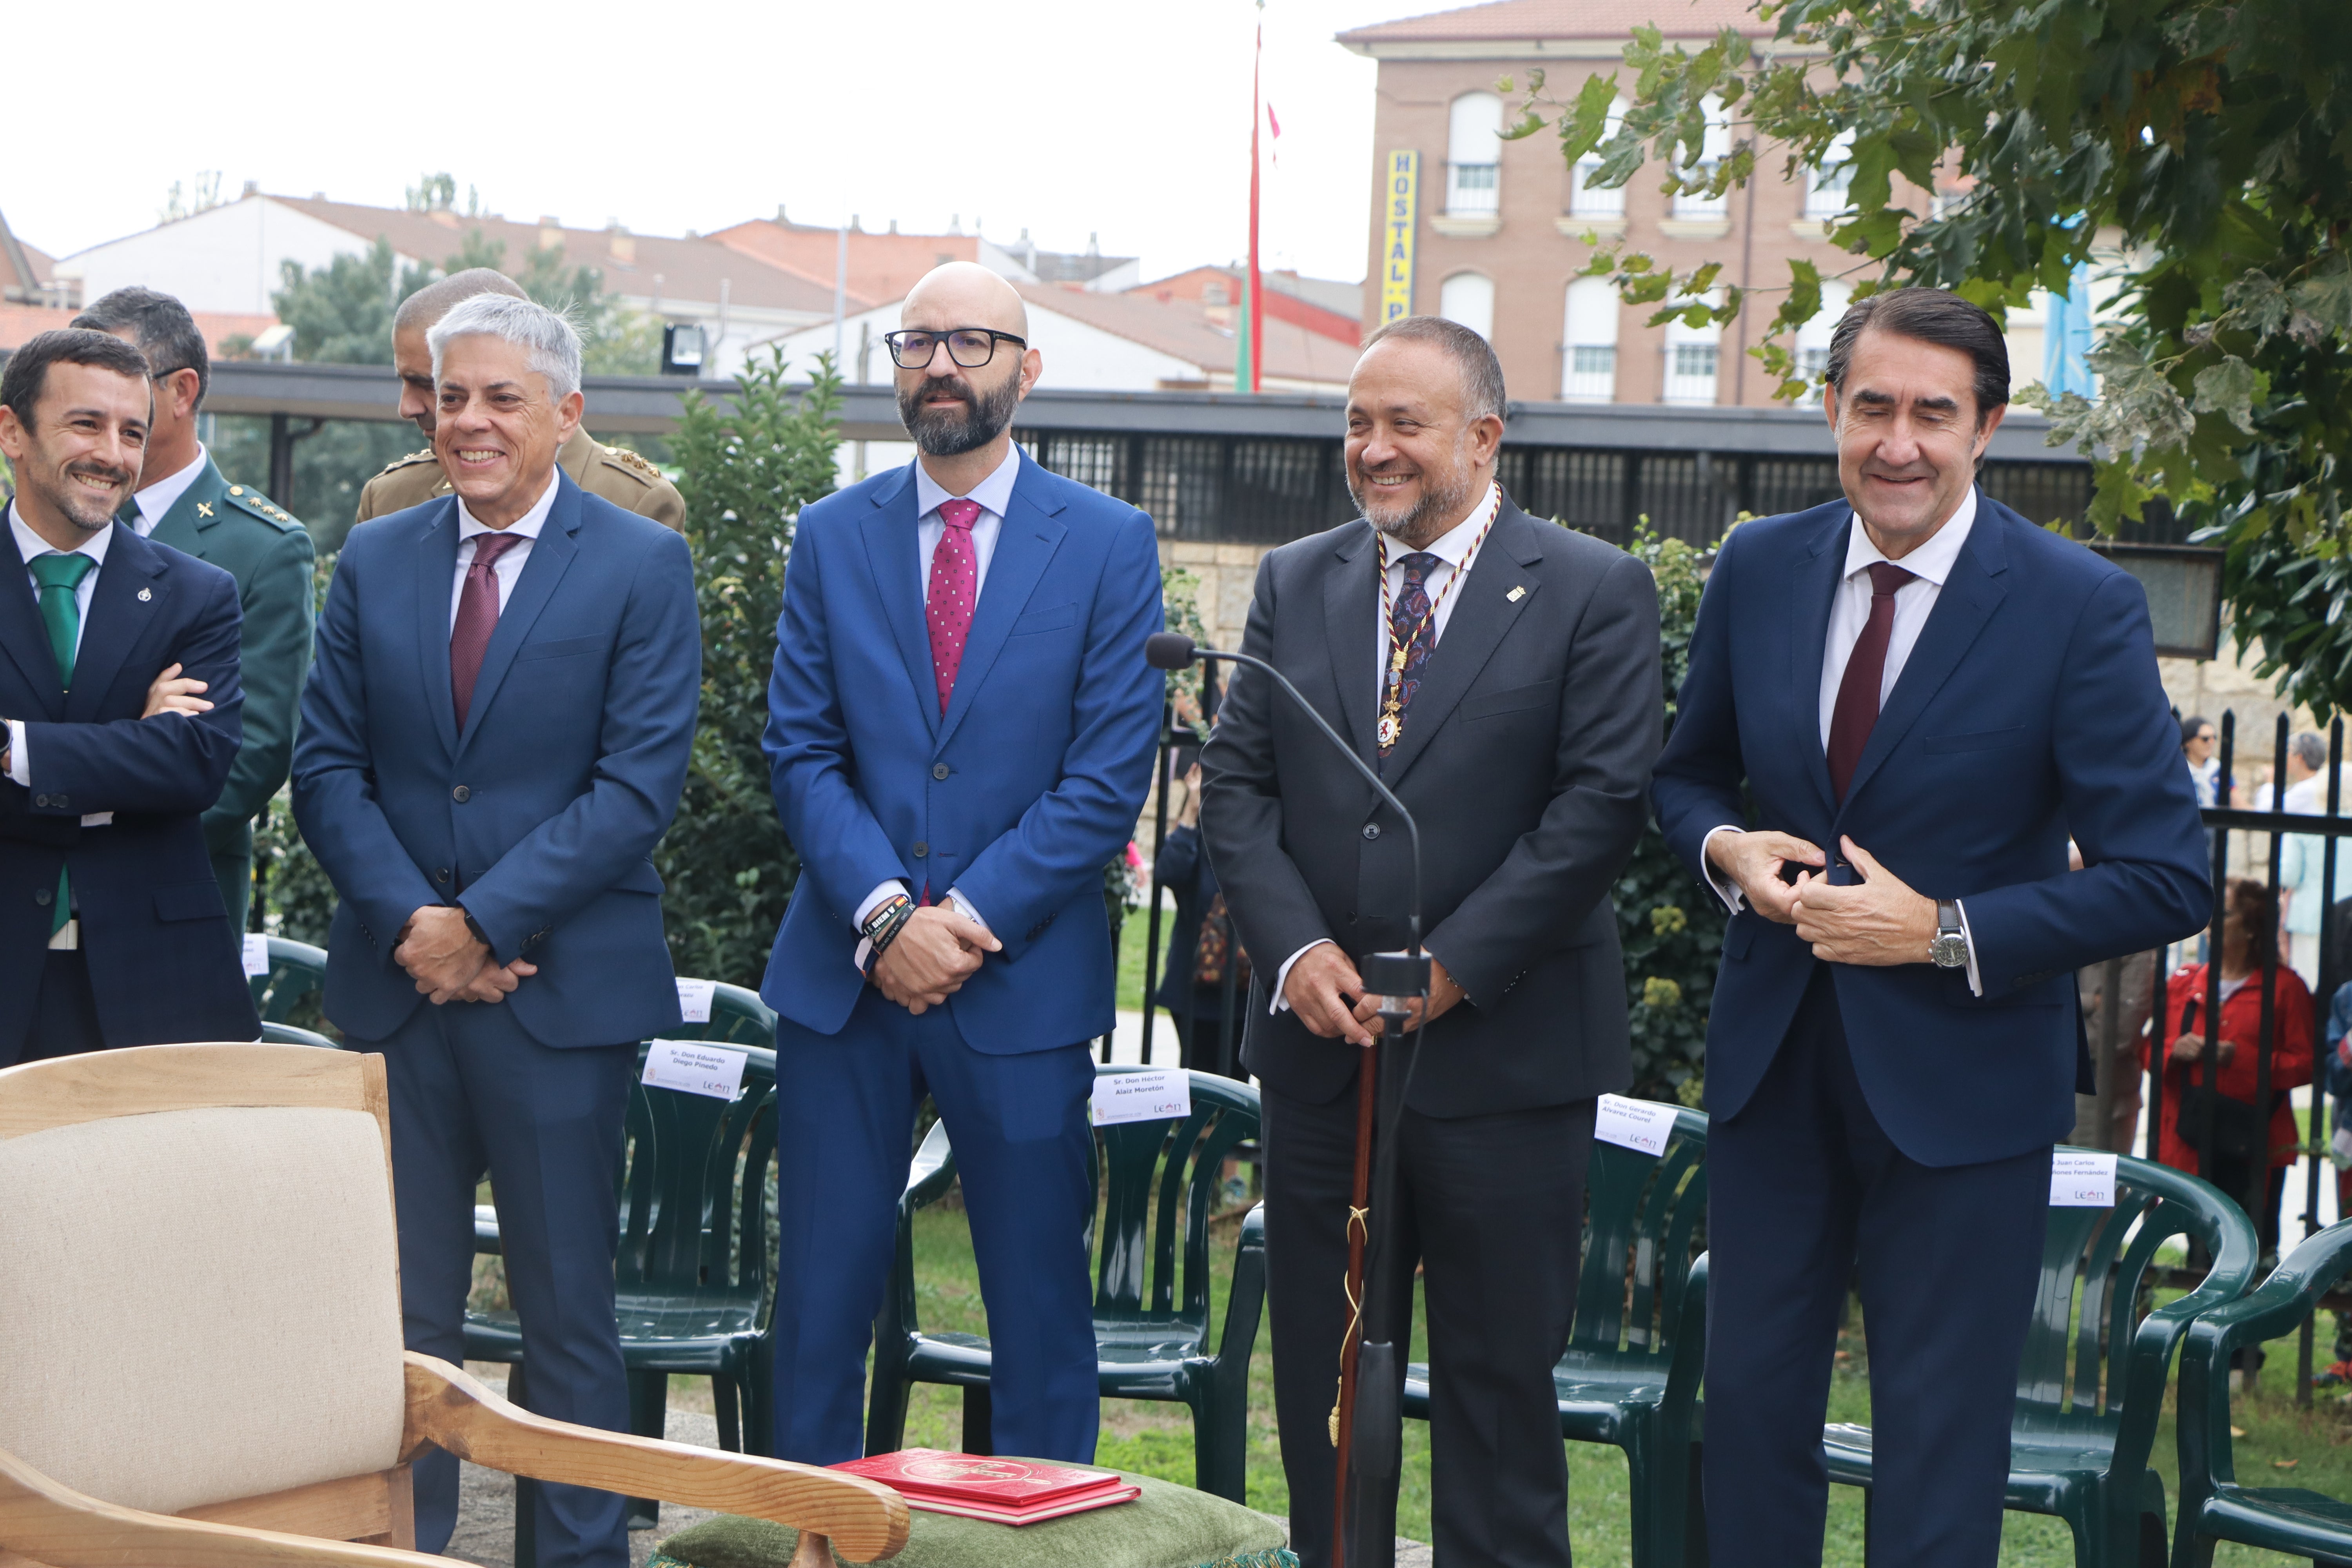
199, 1274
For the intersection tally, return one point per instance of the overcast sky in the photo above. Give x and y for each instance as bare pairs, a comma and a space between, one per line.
1064, 117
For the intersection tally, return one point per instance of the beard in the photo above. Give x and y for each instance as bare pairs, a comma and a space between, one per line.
82, 508
1441, 505
951, 432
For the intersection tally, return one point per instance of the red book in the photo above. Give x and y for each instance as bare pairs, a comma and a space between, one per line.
1007, 1491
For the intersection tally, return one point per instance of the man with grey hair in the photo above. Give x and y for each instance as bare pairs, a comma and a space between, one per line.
1502, 675
185, 501
500, 937
617, 473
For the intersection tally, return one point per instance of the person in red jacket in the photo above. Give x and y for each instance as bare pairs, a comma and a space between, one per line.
2249, 940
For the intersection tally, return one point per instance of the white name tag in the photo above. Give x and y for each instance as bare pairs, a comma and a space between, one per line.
694, 999
1154, 1096
694, 1068
1634, 1123
2081, 1179
256, 954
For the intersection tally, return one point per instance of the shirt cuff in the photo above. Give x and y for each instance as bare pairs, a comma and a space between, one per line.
20, 769
1724, 887
1976, 981
872, 900
1281, 1003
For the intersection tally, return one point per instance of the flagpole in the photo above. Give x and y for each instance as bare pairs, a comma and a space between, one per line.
1252, 311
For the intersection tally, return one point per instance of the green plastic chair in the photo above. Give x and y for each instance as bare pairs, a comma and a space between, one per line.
1631, 1377
2070, 1456
1163, 1178
297, 970
287, 1035
738, 1017
2213, 1506
694, 1265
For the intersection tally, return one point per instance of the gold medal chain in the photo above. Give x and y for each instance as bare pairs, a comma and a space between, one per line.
1397, 651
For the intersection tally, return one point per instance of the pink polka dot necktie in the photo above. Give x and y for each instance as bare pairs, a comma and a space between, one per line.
955, 588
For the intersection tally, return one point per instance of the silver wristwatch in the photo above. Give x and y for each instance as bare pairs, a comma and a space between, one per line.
1949, 949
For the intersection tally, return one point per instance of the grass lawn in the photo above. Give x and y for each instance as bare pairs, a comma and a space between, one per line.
2312, 1449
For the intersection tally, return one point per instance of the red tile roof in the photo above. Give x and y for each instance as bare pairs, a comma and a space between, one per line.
18, 322
1182, 330
881, 266
1281, 303
1510, 21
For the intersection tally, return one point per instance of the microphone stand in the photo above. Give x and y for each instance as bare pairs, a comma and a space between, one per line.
1367, 1425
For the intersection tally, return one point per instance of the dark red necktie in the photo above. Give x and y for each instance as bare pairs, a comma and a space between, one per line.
1856, 713
478, 617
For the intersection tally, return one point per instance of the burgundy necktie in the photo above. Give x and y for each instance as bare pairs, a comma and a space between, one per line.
478, 617
955, 586
1857, 700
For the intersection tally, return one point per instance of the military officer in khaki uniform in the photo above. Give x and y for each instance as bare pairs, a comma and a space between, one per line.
615, 473
184, 500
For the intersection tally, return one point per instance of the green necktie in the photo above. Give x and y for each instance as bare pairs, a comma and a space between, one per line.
59, 575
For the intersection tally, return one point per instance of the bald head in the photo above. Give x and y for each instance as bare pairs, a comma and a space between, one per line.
964, 294
411, 359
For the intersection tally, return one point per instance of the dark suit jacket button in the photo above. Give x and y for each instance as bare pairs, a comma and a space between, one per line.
41, 800
461, 795
939, 770
922, 849
442, 875
59, 801
41, 897
1372, 830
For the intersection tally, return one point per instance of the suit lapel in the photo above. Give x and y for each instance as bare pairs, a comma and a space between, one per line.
551, 556
131, 594
27, 640
435, 554
1814, 595
1351, 615
1025, 544
892, 555
1483, 612
1969, 596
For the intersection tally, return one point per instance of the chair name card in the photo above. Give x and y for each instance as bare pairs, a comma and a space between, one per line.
694, 999
256, 954
1154, 1094
693, 1067
1640, 1124
2082, 1179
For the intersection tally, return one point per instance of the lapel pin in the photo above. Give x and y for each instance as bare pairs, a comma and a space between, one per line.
203, 508
145, 595
1515, 596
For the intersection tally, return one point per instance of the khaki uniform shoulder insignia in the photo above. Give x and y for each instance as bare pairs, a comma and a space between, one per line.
251, 502
635, 462
399, 463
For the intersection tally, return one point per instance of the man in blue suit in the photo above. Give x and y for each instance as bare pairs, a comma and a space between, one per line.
493, 741
112, 928
960, 728
1926, 695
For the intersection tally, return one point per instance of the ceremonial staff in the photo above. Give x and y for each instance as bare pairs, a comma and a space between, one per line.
1397, 979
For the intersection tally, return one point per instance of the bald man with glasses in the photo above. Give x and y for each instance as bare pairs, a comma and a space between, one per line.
960, 727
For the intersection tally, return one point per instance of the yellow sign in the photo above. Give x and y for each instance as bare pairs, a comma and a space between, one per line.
1396, 266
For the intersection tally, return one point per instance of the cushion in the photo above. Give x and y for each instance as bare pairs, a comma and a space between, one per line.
1167, 1526
200, 1305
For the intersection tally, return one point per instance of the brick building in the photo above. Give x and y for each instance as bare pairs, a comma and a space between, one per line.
1499, 229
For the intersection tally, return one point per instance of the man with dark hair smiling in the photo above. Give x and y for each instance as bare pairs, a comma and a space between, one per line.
1923, 694
1502, 675
184, 500
960, 736
112, 929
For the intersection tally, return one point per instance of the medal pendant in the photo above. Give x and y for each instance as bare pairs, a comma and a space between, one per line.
1390, 726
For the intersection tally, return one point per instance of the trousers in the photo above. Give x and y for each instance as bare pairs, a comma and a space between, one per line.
472, 1093
1805, 1193
65, 1013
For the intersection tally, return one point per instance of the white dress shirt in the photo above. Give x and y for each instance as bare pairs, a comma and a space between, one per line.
29, 544
1457, 551
994, 494
160, 497
1929, 565
507, 568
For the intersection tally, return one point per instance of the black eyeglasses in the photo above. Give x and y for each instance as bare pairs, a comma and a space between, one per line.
970, 347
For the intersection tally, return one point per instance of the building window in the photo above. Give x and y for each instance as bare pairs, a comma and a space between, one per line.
1474, 147
1813, 339
1469, 298
1589, 347
1713, 150
1825, 184
1585, 202
1691, 353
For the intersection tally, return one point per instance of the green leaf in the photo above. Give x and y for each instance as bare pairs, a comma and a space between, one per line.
2230, 389
1587, 121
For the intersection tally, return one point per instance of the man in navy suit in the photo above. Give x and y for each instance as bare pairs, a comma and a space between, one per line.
112, 929
959, 730
493, 741
1926, 695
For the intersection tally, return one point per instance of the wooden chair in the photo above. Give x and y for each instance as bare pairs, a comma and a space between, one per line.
200, 1335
